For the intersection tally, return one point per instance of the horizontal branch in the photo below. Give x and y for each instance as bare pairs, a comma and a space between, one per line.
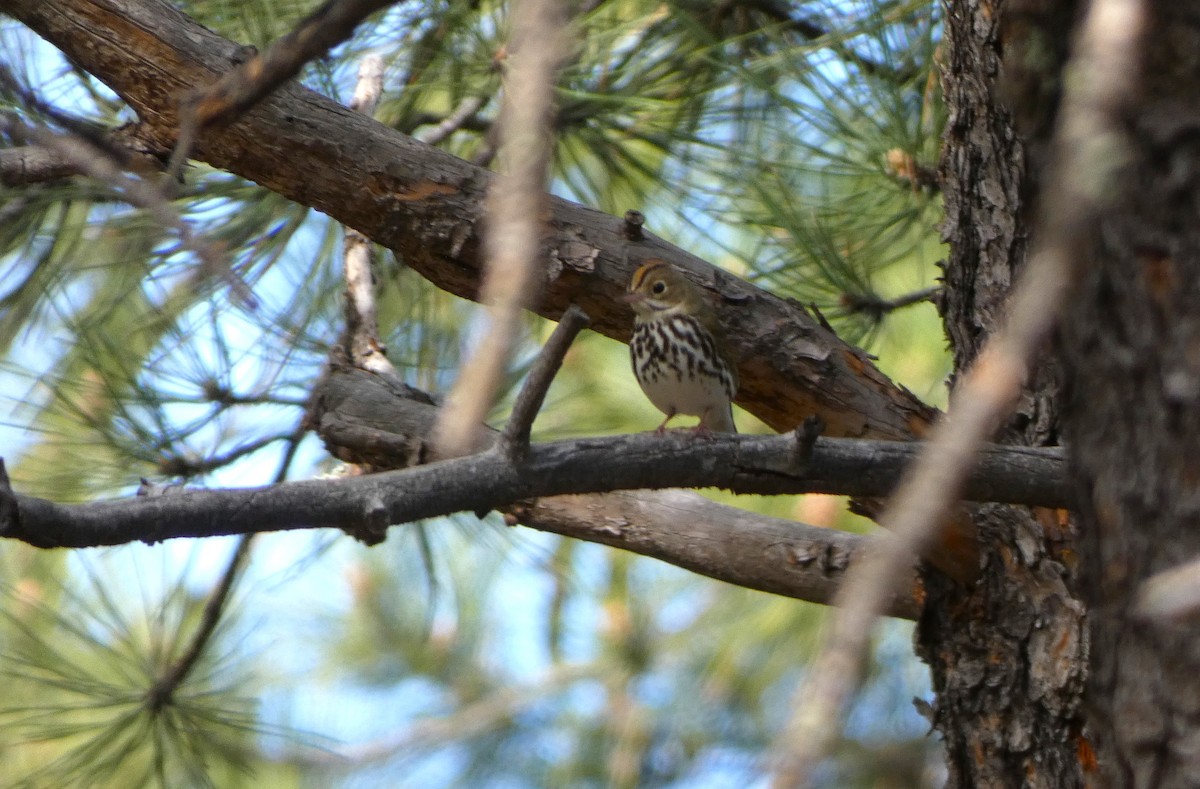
378, 421
754, 551
32, 164
487, 481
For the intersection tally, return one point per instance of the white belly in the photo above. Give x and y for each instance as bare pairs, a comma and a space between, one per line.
672, 395
681, 373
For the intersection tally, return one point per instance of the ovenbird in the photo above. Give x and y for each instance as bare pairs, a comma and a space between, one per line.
677, 349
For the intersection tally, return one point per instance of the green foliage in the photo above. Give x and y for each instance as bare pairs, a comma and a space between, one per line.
792, 143
81, 662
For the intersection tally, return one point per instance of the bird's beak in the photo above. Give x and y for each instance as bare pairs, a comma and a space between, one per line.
631, 298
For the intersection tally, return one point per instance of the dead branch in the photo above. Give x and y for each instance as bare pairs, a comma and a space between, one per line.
742, 464
529, 401
362, 344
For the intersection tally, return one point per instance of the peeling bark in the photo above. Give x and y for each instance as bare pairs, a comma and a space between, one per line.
1009, 655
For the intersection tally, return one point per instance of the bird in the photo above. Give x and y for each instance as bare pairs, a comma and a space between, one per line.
677, 349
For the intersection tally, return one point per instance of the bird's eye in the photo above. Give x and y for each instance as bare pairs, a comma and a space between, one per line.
658, 288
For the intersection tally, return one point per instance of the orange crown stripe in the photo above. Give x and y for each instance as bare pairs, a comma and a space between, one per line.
640, 275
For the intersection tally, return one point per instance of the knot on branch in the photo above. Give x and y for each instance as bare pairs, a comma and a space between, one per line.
806, 435
829, 558
632, 228
372, 528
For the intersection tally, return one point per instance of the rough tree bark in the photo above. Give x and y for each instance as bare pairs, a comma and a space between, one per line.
1008, 656
1131, 353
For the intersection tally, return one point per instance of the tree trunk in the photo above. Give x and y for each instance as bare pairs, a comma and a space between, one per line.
1131, 353
1007, 656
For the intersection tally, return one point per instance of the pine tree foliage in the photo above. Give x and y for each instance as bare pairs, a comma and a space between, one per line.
790, 142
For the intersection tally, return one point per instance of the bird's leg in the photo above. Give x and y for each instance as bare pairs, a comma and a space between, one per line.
663, 427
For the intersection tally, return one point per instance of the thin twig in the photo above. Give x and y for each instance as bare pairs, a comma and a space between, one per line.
241, 88
514, 441
180, 466
516, 205
98, 136
94, 161
876, 307
163, 690
363, 346
454, 121
1101, 78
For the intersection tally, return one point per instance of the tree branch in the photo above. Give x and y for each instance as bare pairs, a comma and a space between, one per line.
29, 164
458, 119
162, 692
258, 75
95, 160
362, 344
687, 530
32, 164
876, 307
742, 464
529, 401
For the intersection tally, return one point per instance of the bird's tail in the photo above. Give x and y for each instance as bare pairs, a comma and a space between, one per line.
719, 420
